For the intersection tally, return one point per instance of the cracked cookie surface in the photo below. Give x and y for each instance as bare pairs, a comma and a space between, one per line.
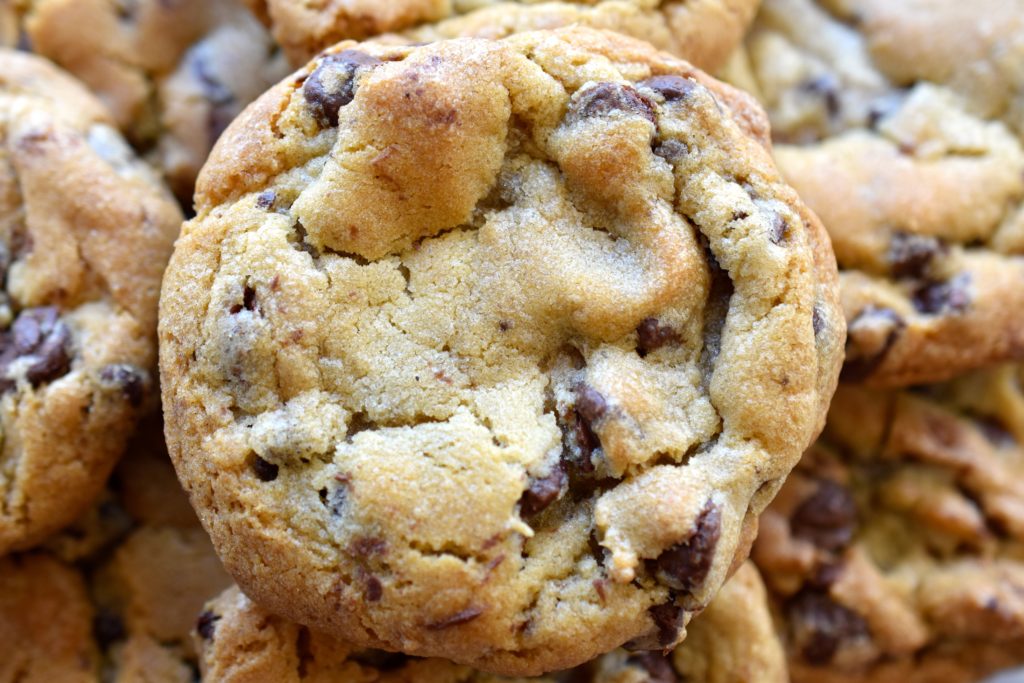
894, 550
732, 641
174, 74
494, 350
911, 155
85, 232
702, 31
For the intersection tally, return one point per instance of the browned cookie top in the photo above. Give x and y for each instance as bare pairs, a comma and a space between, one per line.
173, 74
494, 350
732, 641
85, 232
702, 31
895, 549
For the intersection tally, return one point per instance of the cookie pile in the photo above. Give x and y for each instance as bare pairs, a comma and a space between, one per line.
499, 341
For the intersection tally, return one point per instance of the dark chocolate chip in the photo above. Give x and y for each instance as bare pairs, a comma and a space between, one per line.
590, 408
39, 335
670, 86
543, 492
910, 255
222, 101
265, 471
779, 229
332, 84
658, 667
207, 624
933, 298
365, 546
464, 617
381, 660
590, 404
374, 589
604, 98
685, 565
817, 321
827, 87
265, 200
870, 322
668, 620
828, 518
652, 335
52, 360
129, 379
820, 625
107, 627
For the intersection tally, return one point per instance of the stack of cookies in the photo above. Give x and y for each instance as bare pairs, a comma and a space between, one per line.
499, 341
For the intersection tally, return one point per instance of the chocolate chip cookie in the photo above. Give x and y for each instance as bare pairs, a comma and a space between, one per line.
895, 548
494, 350
174, 74
702, 31
114, 596
824, 67
85, 232
926, 216
732, 641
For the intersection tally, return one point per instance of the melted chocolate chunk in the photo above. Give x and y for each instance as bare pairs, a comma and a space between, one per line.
820, 625
590, 404
40, 336
652, 335
332, 84
374, 589
658, 667
129, 379
910, 255
671, 87
828, 518
604, 98
668, 622
265, 471
684, 566
207, 624
934, 298
543, 492
877, 329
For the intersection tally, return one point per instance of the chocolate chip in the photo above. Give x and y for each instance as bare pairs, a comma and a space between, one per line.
951, 296
381, 660
39, 335
207, 624
817, 321
652, 335
248, 301
658, 667
107, 627
668, 622
590, 404
685, 565
222, 100
828, 518
827, 87
464, 617
332, 84
265, 471
604, 98
820, 625
910, 255
543, 492
670, 86
368, 547
374, 589
590, 408
129, 379
265, 200
871, 334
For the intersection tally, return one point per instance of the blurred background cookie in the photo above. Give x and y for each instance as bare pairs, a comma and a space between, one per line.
173, 74
85, 232
704, 32
894, 550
